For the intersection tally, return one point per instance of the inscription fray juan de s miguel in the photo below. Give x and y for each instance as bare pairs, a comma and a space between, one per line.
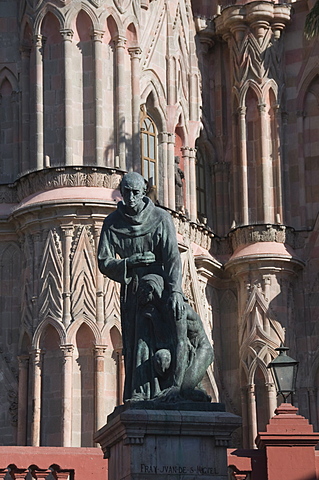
176, 469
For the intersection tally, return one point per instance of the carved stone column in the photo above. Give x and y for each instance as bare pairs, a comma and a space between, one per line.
100, 414
25, 103
99, 281
135, 54
162, 150
251, 31
98, 95
38, 42
252, 415
37, 245
265, 269
243, 165
120, 99
67, 395
67, 36
67, 241
267, 173
36, 365
192, 185
23, 399
185, 155
171, 170
244, 415
272, 399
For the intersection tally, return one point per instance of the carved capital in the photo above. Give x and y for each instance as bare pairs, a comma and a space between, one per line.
97, 35
37, 357
192, 152
270, 387
23, 362
67, 350
251, 388
171, 138
38, 41
185, 151
135, 52
242, 111
67, 34
119, 41
163, 137
67, 230
99, 350
262, 107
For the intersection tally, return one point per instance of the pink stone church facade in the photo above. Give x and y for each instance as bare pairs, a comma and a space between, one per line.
216, 104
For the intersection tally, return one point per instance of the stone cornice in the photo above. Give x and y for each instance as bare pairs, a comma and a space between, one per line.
57, 177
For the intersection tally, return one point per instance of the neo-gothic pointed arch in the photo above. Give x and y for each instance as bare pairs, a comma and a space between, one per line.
256, 89
258, 362
48, 8
25, 341
7, 74
113, 322
73, 13
131, 31
180, 122
304, 86
152, 85
76, 325
271, 86
27, 23
58, 326
113, 21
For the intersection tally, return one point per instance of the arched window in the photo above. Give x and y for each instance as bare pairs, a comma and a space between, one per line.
200, 186
149, 150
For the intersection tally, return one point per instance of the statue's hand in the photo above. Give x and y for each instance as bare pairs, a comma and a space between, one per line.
140, 259
175, 305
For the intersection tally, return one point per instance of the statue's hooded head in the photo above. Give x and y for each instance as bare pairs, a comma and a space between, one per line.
133, 190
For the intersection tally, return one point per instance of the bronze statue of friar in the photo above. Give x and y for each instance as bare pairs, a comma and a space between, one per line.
166, 350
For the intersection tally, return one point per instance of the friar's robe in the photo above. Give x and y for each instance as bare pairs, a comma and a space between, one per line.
151, 230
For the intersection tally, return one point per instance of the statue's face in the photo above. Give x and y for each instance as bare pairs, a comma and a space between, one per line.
133, 192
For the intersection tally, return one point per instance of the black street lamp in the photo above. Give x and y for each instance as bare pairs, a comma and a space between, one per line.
284, 372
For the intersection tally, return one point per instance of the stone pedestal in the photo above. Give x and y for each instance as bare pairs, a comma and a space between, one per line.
290, 444
176, 444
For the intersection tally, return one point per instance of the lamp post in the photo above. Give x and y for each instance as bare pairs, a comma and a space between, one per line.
284, 372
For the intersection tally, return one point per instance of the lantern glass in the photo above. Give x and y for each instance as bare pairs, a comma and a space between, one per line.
284, 372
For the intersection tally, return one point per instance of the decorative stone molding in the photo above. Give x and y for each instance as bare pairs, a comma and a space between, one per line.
253, 33
13, 406
8, 194
63, 177
264, 233
67, 350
